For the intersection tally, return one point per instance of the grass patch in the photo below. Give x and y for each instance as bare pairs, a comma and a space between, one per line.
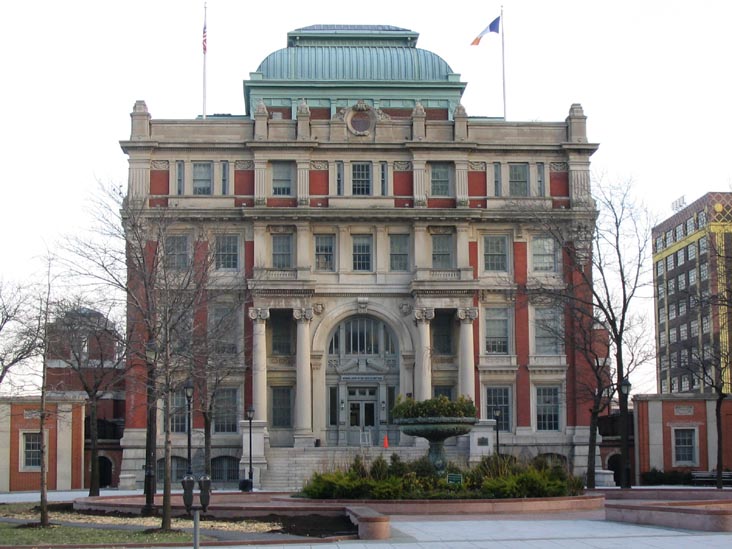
55, 536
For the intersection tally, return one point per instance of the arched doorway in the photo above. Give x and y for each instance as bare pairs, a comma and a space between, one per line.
104, 464
362, 381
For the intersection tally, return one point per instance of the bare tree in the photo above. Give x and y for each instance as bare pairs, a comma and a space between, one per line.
607, 263
20, 327
90, 349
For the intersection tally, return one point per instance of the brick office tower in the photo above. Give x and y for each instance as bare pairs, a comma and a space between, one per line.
371, 240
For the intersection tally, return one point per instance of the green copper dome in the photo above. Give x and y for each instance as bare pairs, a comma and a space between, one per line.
333, 66
353, 52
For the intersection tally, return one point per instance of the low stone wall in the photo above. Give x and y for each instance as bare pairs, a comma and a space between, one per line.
689, 515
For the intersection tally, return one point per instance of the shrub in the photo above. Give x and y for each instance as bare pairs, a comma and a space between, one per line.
379, 469
357, 468
440, 406
397, 468
654, 477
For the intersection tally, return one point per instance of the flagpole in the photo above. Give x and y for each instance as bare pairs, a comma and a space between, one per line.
205, 38
503, 61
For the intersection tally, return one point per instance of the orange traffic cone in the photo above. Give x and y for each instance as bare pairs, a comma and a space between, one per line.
386, 441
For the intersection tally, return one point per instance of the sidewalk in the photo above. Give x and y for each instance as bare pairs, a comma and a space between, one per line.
496, 531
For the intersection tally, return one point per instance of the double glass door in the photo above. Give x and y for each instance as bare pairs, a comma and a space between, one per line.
362, 415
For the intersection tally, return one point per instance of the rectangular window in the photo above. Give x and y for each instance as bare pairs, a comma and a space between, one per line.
361, 179
324, 246
442, 390
704, 271
703, 245
282, 251
178, 317
671, 287
661, 290
224, 177
692, 277
694, 328
177, 255
544, 254
672, 335
540, 178
442, 251
384, 178
548, 333
399, 252
670, 262
701, 219
281, 407
282, 178
690, 226
202, 178
178, 412
547, 408
682, 307
224, 326
495, 253
706, 324
281, 324
31, 450
225, 417
662, 339
227, 252
664, 386
691, 251
669, 238
180, 177
497, 324
684, 383
440, 178
332, 406
362, 252
518, 179
680, 257
339, 178
497, 178
659, 268
661, 315
441, 329
683, 332
659, 243
684, 447
498, 406
679, 232
681, 281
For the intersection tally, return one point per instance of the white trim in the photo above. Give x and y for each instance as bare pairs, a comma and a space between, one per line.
695, 446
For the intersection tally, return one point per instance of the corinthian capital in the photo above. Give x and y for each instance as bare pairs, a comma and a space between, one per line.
258, 315
467, 314
424, 314
304, 315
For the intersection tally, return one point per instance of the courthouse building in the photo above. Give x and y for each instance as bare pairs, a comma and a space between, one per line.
381, 242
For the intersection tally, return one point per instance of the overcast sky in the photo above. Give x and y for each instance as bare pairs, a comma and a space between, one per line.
652, 77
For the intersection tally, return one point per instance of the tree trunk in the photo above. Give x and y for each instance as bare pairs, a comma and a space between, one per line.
167, 511
720, 444
94, 448
591, 449
207, 442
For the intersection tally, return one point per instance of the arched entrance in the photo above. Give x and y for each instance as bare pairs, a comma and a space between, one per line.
104, 464
362, 381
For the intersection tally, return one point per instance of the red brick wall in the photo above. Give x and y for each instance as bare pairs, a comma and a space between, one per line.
319, 113
523, 386
477, 184
403, 184
244, 182
318, 182
159, 182
440, 202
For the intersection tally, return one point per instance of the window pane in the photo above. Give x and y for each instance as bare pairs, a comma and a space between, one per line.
442, 251
544, 254
518, 179
495, 253
548, 331
281, 334
498, 400
224, 330
224, 177
225, 411
176, 252
227, 252
202, 178
440, 179
225, 469
32, 449
281, 407
496, 330
362, 252
441, 328
282, 178
178, 412
684, 445
399, 252
324, 244
547, 408
361, 179
282, 251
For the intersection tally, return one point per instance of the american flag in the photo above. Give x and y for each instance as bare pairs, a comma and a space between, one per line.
204, 36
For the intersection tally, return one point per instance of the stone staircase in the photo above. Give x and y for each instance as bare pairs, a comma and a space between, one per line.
289, 468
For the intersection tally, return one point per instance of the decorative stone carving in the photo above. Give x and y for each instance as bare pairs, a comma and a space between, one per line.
303, 315
460, 111
319, 165
467, 314
261, 108
424, 314
318, 308
558, 167
405, 308
160, 165
244, 165
258, 314
303, 109
477, 166
363, 303
260, 201
418, 109
402, 166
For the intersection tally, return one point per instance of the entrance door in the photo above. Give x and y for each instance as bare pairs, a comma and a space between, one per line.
362, 419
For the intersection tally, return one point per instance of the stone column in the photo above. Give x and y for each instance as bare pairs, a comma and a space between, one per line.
466, 377
303, 182
423, 355
259, 362
260, 182
303, 390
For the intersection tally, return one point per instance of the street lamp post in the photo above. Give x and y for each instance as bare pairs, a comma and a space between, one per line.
624, 435
188, 388
497, 415
250, 417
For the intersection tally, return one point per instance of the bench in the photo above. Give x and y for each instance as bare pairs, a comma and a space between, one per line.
710, 477
371, 524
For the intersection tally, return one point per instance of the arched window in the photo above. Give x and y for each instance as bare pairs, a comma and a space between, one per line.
225, 469
362, 336
178, 468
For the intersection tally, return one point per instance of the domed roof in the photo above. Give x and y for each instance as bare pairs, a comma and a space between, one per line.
354, 52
